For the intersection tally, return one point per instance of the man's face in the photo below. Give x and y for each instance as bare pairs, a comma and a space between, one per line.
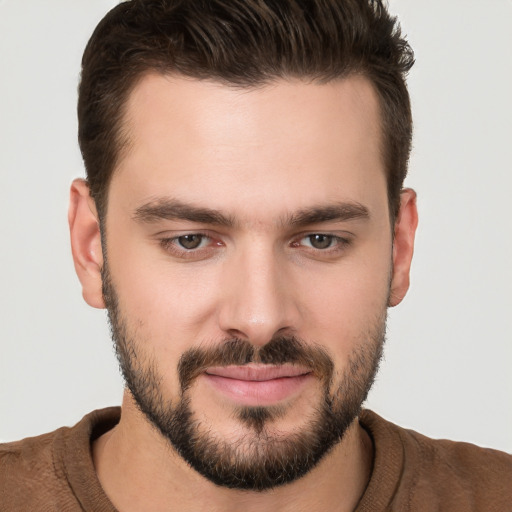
249, 263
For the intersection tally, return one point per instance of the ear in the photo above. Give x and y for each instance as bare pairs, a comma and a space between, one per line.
403, 246
86, 242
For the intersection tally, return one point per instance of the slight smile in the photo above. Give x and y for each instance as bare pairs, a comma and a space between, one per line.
258, 385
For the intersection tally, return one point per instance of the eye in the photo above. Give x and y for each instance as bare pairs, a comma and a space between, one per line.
191, 246
320, 241
322, 244
191, 241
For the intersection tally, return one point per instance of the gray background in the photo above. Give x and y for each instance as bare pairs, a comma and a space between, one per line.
447, 371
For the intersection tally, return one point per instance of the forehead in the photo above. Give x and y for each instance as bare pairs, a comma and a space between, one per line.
289, 141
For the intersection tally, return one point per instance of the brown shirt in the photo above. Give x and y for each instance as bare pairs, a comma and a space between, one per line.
54, 472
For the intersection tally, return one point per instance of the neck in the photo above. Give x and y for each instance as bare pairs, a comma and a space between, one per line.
139, 470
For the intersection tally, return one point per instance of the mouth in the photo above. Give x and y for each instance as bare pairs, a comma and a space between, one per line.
258, 385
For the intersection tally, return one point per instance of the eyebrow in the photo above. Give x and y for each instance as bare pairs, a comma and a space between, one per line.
338, 212
173, 209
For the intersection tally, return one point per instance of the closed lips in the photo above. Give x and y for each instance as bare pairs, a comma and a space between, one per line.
257, 373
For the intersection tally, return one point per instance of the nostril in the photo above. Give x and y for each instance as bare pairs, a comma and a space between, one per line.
236, 334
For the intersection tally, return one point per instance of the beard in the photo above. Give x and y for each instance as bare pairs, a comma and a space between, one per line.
263, 457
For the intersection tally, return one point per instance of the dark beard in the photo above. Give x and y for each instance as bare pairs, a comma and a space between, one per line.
260, 460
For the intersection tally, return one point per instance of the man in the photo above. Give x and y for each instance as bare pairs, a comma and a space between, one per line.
244, 223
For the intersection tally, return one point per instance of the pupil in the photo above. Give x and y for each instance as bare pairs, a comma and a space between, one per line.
190, 241
320, 241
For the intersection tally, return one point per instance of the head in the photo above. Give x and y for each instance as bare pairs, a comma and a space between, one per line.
245, 163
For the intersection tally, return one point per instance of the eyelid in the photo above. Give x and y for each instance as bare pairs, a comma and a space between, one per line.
339, 235
343, 242
170, 245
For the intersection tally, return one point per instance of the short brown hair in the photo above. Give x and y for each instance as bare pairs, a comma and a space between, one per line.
243, 43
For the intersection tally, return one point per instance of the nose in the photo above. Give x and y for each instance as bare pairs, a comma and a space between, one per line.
258, 300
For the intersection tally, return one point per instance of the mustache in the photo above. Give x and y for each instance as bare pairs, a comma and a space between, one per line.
239, 352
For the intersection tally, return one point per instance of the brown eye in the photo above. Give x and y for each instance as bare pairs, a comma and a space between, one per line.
190, 241
320, 241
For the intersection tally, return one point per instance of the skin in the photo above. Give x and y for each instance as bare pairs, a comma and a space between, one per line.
258, 157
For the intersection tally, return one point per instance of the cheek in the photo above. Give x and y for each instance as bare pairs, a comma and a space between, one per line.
166, 307
346, 309
166, 302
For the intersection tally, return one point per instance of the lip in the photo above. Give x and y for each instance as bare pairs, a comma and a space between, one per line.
258, 385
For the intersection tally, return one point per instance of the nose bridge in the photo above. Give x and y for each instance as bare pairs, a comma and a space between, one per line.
256, 305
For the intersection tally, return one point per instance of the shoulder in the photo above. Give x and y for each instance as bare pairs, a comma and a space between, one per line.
48, 470
23, 455
28, 470
470, 476
429, 474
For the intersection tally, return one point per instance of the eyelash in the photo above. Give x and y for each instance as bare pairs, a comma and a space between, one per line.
340, 243
171, 245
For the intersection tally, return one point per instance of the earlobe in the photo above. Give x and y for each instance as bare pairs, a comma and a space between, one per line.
86, 242
403, 246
